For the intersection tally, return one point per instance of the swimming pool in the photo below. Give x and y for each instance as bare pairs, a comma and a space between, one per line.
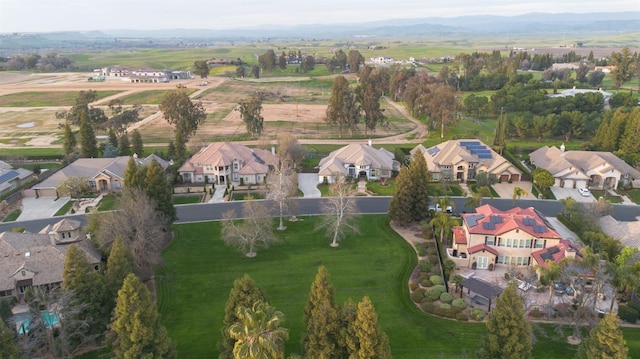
23, 320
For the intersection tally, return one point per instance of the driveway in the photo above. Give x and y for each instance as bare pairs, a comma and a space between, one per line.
505, 190
565, 232
308, 184
561, 193
43, 207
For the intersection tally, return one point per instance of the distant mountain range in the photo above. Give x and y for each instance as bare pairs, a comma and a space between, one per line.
471, 27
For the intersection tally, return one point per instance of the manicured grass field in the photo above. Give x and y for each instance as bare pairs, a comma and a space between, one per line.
12, 216
199, 271
64, 209
40, 99
187, 199
107, 203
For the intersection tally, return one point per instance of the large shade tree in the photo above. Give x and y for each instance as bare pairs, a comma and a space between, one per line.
178, 109
343, 109
255, 230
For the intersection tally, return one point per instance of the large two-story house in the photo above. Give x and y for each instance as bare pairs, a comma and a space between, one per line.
37, 259
357, 160
225, 162
519, 237
582, 169
461, 160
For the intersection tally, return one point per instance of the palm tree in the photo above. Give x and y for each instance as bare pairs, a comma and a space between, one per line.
476, 197
570, 206
517, 193
442, 219
258, 333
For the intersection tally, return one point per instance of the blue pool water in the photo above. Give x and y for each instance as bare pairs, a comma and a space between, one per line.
23, 320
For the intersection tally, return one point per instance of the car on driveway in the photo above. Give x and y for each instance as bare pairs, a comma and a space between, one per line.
584, 192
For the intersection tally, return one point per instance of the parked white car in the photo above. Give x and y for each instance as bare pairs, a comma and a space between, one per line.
437, 208
584, 192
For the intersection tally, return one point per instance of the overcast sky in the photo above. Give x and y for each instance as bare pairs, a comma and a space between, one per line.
55, 15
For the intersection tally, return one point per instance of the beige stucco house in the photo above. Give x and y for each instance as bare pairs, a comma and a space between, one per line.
584, 169
37, 259
461, 160
225, 162
518, 237
357, 160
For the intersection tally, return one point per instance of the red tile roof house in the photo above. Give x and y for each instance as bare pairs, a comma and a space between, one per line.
519, 237
225, 162
37, 259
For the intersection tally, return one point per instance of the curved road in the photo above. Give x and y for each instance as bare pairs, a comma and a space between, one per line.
311, 206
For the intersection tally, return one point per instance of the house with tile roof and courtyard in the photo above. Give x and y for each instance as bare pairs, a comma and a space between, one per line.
518, 237
585, 169
461, 160
225, 163
37, 259
102, 174
357, 160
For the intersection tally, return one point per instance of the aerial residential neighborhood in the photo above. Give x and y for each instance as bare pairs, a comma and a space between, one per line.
241, 183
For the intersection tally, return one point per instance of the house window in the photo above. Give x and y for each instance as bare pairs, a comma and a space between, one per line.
520, 261
69, 234
236, 166
373, 173
527, 243
490, 240
24, 273
93, 184
62, 235
509, 243
539, 243
5, 293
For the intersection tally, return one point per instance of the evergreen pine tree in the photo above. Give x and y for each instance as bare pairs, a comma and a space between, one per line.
157, 187
244, 293
124, 149
9, 349
321, 319
133, 175
347, 340
88, 143
87, 286
509, 332
629, 142
171, 150
372, 342
604, 341
113, 138
119, 265
138, 332
69, 142
400, 205
419, 178
137, 146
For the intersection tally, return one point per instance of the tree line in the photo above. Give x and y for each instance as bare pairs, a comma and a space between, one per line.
252, 328
49, 63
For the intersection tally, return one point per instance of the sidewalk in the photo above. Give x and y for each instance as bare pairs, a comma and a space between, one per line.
218, 194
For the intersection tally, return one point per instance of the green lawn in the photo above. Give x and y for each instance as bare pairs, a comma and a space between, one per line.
107, 203
380, 190
199, 272
64, 209
633, 194
12, 216
187, 199
41, 99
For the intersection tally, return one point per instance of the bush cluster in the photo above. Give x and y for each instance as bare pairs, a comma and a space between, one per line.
417, 295
435, 292
425, 266
477, 314
428, 307
436, 280
413, 286
433, 259
459, 303
432, 251
445, 306
446, 298
426, 283
462, 317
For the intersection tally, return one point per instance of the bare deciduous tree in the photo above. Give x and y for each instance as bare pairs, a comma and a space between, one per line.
74, 187
282, 177
339, 211
139, 224
256, 229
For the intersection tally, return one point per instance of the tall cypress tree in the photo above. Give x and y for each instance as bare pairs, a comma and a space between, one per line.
604, 341
113, 138
372, 342
157, 187
132, 175
400, 205
138, 332
348, 338
69, 142
509, 332
119, 265
420, 178
137, 146
88, 143
124, 149
244, 293
321, 318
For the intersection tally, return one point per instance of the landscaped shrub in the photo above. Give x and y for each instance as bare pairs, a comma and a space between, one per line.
427, 300
459, 303
446, 298
627, 314
424, 276
432, 250
417, 295
462, 317
425, 266
433, 259
445, 306
428, 307
435, 291
413, 286
420, 249
436, 279
477, 314
430, 244
426, 283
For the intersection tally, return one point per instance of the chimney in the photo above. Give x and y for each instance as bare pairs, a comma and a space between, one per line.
273, 150
569, 253
370, 142
562, 148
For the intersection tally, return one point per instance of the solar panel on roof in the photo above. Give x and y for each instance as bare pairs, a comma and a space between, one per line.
433, 151
554, 250
484, 155
546, 256
528, 221
488, 225
469, 143
8, 175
